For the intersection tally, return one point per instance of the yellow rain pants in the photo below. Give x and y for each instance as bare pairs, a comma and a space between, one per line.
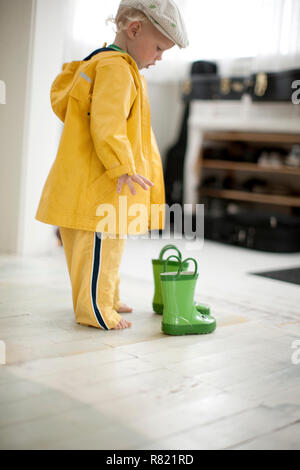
93, 262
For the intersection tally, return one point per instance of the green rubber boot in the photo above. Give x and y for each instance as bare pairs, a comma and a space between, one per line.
159, 266
181, 316
202, 308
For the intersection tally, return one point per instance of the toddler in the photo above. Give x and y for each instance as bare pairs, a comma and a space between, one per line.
108, 159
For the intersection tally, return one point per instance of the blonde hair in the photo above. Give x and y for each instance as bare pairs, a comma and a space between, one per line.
124, 17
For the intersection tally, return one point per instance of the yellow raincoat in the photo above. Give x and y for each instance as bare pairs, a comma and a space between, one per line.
104, 105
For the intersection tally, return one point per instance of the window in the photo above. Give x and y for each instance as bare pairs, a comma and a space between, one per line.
217, 29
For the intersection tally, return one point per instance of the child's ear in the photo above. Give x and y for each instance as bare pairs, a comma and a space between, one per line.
134, 29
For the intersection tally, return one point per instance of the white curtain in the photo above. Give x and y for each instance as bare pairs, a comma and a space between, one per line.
86, 29
261, 34
278, 28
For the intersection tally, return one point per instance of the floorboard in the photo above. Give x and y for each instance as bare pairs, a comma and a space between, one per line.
65, 386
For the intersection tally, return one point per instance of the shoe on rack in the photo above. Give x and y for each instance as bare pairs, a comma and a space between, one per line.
275, 160
263, 160
293, 159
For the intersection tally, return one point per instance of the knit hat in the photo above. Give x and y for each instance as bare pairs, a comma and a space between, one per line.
165, 16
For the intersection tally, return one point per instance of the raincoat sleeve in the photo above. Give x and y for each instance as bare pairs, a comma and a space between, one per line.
113, 96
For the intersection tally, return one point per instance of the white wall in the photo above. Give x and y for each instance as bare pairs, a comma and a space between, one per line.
166, 113
165, 83
16, 21
32, 47
42, 126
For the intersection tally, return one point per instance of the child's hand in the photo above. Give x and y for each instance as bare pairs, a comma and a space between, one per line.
139, 179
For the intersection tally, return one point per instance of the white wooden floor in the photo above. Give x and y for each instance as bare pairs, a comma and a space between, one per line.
69, 387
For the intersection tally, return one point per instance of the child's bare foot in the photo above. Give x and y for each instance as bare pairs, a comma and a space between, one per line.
122, 324
124, 309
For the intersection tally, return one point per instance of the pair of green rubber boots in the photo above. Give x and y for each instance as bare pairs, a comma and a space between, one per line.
174, 289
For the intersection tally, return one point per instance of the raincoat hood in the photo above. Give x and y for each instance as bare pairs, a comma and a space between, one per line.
66, 81
62, 86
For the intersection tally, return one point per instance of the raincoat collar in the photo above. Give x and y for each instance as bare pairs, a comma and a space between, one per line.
105, 48
117, 48
97, 51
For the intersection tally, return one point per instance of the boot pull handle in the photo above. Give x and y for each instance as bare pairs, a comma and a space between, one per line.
169, 247
166, 261
184, 262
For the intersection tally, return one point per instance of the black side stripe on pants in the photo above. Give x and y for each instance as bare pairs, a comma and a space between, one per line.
95, 277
